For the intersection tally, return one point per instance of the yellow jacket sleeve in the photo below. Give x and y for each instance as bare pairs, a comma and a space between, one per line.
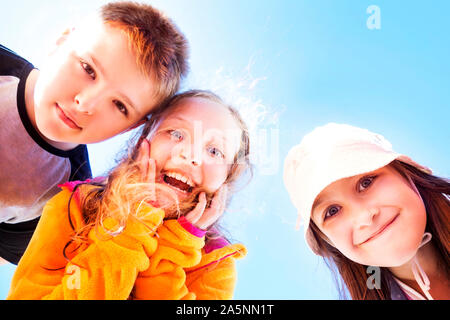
215, 277
104, 268
180, 268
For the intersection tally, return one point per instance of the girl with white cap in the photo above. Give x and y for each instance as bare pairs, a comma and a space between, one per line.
379, 218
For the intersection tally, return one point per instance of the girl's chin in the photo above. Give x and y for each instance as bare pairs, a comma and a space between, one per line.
182, 195
386, 259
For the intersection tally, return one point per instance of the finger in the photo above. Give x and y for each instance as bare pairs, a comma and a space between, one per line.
142, 159
197, 212
219, 199
212, 214
147, 166
208, 218
151, 176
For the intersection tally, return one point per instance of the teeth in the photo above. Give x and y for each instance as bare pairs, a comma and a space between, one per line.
180, 177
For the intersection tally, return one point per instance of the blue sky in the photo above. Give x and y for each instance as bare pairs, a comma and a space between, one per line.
297, 64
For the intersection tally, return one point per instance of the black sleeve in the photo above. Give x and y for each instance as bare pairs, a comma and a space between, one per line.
81, 168
15, 238
11, 63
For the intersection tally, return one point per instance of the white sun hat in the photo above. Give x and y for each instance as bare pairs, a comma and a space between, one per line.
330, 153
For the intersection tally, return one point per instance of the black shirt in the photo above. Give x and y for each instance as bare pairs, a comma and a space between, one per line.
26, 157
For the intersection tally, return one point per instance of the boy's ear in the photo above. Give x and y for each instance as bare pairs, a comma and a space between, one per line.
63, 37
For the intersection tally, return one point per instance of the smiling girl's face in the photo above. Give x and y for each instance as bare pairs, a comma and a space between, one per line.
375, 219
195, 146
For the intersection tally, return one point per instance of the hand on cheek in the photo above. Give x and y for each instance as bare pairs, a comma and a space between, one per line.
148, 169
203, 217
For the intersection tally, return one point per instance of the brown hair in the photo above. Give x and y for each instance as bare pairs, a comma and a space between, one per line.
161, 49
123, 191
435, 193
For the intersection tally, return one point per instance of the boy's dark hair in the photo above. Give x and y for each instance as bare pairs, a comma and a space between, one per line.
161, 49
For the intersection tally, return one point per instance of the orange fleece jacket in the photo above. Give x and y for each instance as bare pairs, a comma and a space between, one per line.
136, 264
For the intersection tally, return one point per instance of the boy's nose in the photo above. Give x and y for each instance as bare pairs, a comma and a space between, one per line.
83, 107
86, 104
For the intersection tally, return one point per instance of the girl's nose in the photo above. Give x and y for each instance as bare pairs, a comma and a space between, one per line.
189, 154
195, 162
366, 216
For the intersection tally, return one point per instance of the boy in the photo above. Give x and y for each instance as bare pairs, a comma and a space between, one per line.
103, 78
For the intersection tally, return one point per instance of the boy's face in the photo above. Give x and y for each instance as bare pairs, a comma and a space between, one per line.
91, 88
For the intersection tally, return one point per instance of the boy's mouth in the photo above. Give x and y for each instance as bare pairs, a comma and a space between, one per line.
178, 181
65, 118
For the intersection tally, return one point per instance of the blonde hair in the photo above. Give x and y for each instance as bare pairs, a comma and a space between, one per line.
123, 191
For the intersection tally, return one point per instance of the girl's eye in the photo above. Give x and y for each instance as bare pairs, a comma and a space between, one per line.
331, 211
121, 107
88, 69
176, 135
364, 183
215, 152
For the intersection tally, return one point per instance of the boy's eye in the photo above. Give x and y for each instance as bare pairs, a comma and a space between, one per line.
364, 183
176, 135
215, 152
121, 107
88, 69
331, 211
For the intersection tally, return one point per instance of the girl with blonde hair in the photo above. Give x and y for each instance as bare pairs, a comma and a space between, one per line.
149, 229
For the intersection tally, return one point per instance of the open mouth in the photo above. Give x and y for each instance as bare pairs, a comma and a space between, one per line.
178, 181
